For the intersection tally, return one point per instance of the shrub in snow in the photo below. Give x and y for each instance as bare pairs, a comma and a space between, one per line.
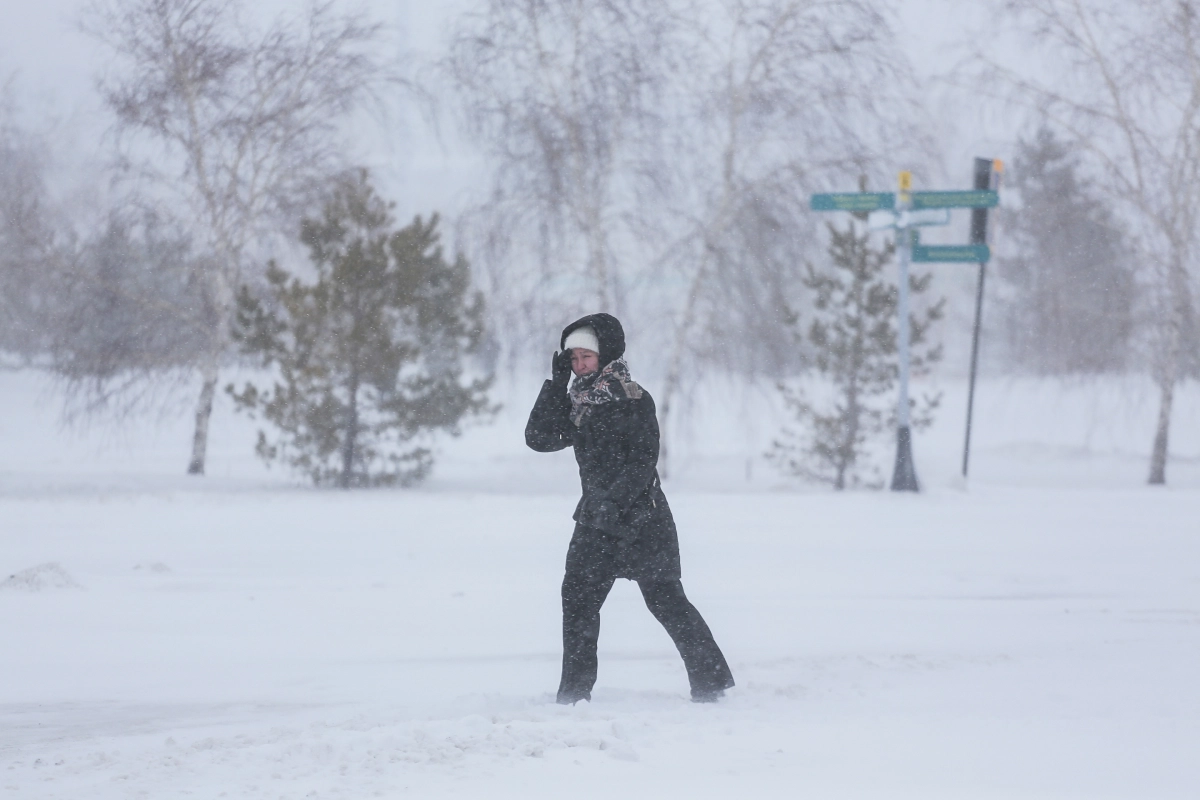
44, 576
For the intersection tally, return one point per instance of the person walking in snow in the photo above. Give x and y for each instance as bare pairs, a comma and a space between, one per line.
623, 525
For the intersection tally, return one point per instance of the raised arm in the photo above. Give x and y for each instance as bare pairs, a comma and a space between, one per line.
550, 427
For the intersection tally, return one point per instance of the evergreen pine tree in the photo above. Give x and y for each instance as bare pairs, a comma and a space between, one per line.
369, 357
1072, 290
853, 337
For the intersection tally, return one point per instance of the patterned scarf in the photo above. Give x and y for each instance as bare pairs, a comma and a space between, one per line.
601, 387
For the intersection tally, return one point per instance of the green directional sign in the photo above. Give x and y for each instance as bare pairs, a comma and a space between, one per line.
977, 253
983, 198
853, 201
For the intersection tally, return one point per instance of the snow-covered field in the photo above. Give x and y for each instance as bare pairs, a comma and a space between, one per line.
1034, 633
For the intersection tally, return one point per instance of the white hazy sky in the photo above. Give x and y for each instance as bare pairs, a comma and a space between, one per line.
52, 65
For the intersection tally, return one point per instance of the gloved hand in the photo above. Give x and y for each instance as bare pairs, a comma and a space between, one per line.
560, 367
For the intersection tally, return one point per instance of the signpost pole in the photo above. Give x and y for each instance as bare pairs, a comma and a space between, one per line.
974, 366
986, 174
906, 211
904, 475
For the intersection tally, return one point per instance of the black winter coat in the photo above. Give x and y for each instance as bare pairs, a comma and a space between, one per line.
623, 519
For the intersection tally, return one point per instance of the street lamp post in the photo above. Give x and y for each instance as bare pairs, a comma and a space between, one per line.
904, 475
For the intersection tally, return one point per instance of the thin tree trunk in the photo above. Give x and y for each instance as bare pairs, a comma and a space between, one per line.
1158, 456
221, 288
675, 366
348, 447
839, 481
669, 389
598, 262
846, 452
847, 455
1177, 282
204, 408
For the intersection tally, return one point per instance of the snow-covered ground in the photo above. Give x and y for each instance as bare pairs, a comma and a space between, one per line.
1033, 633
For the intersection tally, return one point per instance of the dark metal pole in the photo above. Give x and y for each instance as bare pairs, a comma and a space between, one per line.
904, 474
974, 365
985, 176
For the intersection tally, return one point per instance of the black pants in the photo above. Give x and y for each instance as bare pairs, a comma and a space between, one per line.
584, 590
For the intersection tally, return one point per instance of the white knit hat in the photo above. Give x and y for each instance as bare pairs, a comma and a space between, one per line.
584, 337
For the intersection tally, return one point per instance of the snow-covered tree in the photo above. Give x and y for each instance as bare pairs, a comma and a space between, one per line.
369, 357
1071, 277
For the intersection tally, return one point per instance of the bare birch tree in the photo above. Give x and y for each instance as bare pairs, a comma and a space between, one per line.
788, 97
1123, 84
230, 126
131, 318
29, 240
563, 95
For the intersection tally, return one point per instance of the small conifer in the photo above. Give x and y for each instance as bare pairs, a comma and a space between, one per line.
369, 357
853, 339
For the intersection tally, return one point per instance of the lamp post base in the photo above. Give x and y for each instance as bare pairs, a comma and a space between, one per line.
904, 476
